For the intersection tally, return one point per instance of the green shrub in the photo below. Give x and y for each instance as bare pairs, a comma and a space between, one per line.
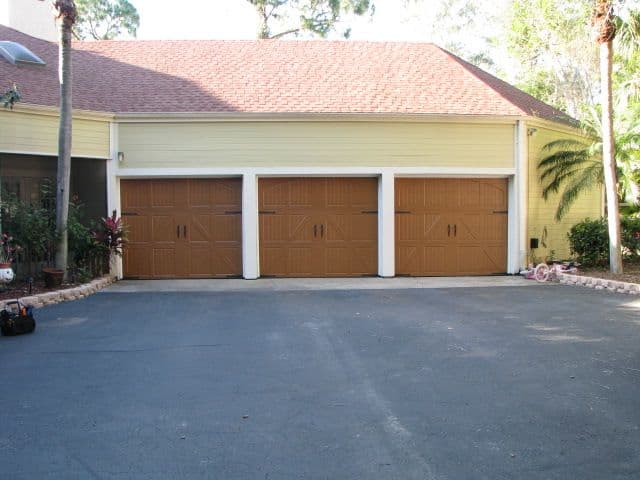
631, 236
33, 225
589, 242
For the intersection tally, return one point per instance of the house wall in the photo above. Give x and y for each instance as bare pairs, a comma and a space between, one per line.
317, 144
31, 133
541, 213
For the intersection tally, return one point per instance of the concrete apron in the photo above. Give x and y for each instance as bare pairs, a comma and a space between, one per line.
293, 284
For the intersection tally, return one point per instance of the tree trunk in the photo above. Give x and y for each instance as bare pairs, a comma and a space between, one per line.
608, 158
64, 145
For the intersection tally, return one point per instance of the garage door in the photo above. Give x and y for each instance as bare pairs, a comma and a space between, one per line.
187, 228
451, 226
318, 227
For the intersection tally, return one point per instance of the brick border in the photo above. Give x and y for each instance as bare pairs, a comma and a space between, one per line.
75, 293
600, 283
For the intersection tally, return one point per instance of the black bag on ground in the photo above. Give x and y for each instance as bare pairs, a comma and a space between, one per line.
16, 319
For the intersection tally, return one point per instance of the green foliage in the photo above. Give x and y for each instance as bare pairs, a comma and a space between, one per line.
88, 257
105, 19
10, 97
33, 226
589, 240
317, 17
631, 235
551, 42
572, 167
468, 29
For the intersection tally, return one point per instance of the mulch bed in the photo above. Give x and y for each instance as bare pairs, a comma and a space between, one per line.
20, 288
631, 272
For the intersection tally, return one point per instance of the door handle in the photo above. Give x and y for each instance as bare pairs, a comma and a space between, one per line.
448, 230
321, 231
455, 230
178, 231
184, 231
315, 231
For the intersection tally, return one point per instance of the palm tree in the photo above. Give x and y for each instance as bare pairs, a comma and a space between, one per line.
66, 14
573, 167
604, 23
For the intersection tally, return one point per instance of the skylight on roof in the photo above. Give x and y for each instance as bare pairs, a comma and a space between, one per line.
16, 53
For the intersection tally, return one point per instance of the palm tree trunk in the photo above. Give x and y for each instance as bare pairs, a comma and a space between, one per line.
608, 157
64, 144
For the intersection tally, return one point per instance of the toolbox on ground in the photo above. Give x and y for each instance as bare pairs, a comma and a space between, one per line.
16, 319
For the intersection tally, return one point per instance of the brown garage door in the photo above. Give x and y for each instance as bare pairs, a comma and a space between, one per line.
318, 227
451, 226
187, 228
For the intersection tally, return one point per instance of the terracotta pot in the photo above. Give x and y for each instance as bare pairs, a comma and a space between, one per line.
52, 277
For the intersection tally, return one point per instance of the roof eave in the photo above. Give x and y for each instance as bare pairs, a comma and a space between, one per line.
177, 117
48, 110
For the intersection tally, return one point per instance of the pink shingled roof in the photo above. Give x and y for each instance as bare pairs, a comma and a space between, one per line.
268, 76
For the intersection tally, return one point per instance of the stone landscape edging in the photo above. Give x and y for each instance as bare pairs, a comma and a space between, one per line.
600, 283
74, 293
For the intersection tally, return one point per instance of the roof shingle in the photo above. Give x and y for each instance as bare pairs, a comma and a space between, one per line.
269, 76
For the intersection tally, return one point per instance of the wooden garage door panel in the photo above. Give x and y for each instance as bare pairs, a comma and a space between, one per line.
473, 259
408, 259
488, 194
138, 259
163, 229
288, 194
435, 259
136, 195
317, 227
408, 193
164, 262
138, 229
201, 229
485, 228
226, 228
441, 194
286, 229
343, 262
227, 260
187, 228
409, 228
451, 226
436, 227
168, 193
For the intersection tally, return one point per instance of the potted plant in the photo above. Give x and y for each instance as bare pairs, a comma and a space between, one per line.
8, 250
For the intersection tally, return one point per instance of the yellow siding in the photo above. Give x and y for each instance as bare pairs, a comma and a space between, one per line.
31, 133
542, 213
305, 144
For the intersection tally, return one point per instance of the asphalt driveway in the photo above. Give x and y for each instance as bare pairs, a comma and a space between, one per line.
468, 383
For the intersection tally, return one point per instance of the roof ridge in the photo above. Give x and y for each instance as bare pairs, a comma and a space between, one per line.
255, 40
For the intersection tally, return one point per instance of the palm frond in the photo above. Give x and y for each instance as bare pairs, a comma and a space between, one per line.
565, 144
576, 187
